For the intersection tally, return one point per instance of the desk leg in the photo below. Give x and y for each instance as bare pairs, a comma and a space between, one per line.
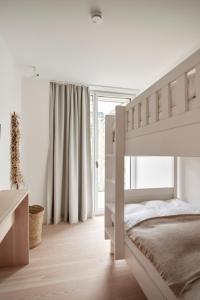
14, 249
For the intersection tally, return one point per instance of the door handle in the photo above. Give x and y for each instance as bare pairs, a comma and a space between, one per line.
97, 164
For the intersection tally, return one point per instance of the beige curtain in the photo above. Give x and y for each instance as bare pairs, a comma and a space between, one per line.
69, 184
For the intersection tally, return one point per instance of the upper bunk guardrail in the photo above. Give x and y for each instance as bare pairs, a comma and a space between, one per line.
165, 103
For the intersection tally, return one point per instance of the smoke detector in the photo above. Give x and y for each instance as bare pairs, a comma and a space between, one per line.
96, 17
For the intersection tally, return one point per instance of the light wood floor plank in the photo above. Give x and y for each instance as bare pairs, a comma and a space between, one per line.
72, 263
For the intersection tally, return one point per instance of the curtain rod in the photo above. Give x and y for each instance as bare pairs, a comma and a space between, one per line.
98, 88
102, 88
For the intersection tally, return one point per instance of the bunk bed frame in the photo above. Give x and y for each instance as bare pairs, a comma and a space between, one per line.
162, 121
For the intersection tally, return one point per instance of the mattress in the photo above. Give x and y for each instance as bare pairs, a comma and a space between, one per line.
136, 214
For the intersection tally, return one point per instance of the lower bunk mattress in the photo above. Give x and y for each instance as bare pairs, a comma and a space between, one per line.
168, 234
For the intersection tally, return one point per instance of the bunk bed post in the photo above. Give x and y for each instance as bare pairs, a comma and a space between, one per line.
109, 176
119, 182
175, 176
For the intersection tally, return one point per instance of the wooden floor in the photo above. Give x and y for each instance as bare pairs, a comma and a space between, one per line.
72, 263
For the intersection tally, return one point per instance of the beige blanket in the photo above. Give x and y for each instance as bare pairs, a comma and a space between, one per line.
173, 245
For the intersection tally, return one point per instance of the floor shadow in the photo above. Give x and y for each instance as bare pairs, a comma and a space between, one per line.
6, 272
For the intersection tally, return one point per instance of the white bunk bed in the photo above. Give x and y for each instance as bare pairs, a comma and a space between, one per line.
162, 121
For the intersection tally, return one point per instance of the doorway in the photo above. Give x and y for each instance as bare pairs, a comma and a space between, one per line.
101, 105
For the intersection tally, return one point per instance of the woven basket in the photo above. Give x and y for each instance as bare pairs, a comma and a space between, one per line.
36, 214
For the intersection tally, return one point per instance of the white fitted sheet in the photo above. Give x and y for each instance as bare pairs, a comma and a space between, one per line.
137, 212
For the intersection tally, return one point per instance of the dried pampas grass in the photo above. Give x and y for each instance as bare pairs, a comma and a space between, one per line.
15, 171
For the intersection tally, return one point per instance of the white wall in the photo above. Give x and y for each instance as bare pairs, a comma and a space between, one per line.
10, 98
189, 179
35, 136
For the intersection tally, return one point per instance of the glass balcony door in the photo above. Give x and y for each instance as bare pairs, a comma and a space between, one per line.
102, 105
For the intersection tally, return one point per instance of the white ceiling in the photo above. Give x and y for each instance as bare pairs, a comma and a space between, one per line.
138, 41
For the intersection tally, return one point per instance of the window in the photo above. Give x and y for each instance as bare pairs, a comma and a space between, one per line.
150, 172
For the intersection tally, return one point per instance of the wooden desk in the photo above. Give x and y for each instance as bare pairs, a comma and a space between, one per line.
14, 228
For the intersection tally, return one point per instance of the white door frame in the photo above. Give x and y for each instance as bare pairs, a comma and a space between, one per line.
106, 93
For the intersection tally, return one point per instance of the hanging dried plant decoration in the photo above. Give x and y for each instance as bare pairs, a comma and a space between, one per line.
15, 171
